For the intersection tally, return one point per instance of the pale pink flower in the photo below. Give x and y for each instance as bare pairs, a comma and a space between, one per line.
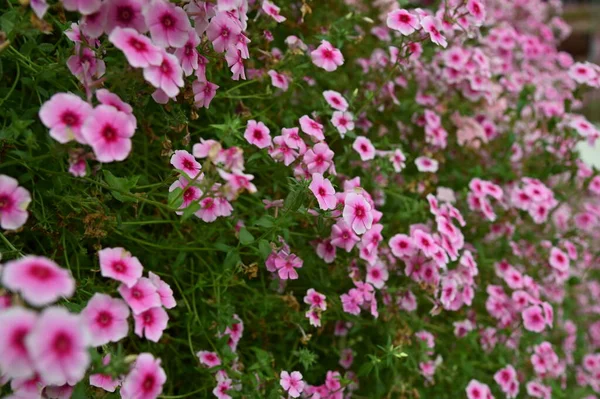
286, 266
433, 26
14, 201
105, 319
15, 324
39, 7
324, 191
141, 296
403, 22
235, 62
167, 75
582, 72
314, 317
357, 213
342, 236
533, 319
327, 57
107, 98
273, 11
477, 10
343, 122
164, 291
104, 381
364, 147
85, 66
223, 31
209, 359
109, 133
124, 14
188, 54
335, 100
478, 390
402, 246
120, 265
39, 280
151, 323
319, 158
208, 211
137, 48
279, 80
64, 114
58, 346
377, 275
258, 134
82, 6
204, 92
145, 380
229, 5
292, 383
559, 260
312, 127
315, 299
184, 161
425, 164
168, 24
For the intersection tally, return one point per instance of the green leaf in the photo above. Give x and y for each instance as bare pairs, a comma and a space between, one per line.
264, 248
121, 186
190, 210
246, 237
265, 221
175, 198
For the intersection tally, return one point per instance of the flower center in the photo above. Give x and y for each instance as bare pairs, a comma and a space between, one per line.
258, 134
40, 272
5, 202
109, 133
327, 54
359, 211
69, 118
136, 293
137, 44
104, 318
62, 343
404, 18
119, 266
148, 318
124, 14
167, 21
148, 383
322, 191
18, 339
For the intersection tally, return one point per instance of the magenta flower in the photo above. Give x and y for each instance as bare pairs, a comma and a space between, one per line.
58, 346
145, 380
273, 11
64, 114
235, 62
477, 10
109, 133
82, 6
164, 291
559, 260
364, 147
209, 359
315, 299
120, 265
151, 323
14, 201
137, 48
167, 75
105, 319
125, 14
324, 191
279, 80
168, 24
292, 383
357, 213
104, 381
186, 162
478, 390
39, 280
319, 158
343, 122
533, 319
141, 296
402, 246
204, 92
403, 22
377, 275
312, 127
85, 66
188, 54
327, 57
342, 236
433, 26
258, 134
223, 31
425, 164
335, 100
286, 266
15, 324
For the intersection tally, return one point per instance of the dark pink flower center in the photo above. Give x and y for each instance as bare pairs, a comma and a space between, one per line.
375, 273
125, 14
188, 194
69, 118
322, 191
224, 32
109, 133
5, 202
18, 338
148, 318
404, 18
167, 20
104, 318
187, 164
62, 343
165, 67
188, 49
258, 134
119, 266
359, 211
137, 44
364, 148
136, 293
327, 54
148, 383
40, 272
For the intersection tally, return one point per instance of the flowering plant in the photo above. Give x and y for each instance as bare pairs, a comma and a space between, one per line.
241, 198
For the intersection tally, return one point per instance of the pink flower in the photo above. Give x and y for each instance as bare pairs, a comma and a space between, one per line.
14, 201
402, 246
168, 24
58, 346
208, 211
39, 280
64, 114
184, 161
257, 134
343, 122
151, 323
279, 80
342, 236
478, 390
477, 10
105, 319
109, 133
425, 164
312, 127
324, 191
559, 260
104, 381
272, 10
145, 380
315, 299
364, 147
582, 72
120, 265
107, 98
377, 275
137, 48
357, 213
167, 75
235, 62
39, 7
82, 6
223, 31
533, 319
188, 54
140, 297
327, 57
209, 359
286, 266
318, 159
335, 100
204, 92
125, 14
402, 21
292, 383
433, 26
15, 324
164, 291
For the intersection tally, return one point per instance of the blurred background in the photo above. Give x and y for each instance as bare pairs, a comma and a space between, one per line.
584, 44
